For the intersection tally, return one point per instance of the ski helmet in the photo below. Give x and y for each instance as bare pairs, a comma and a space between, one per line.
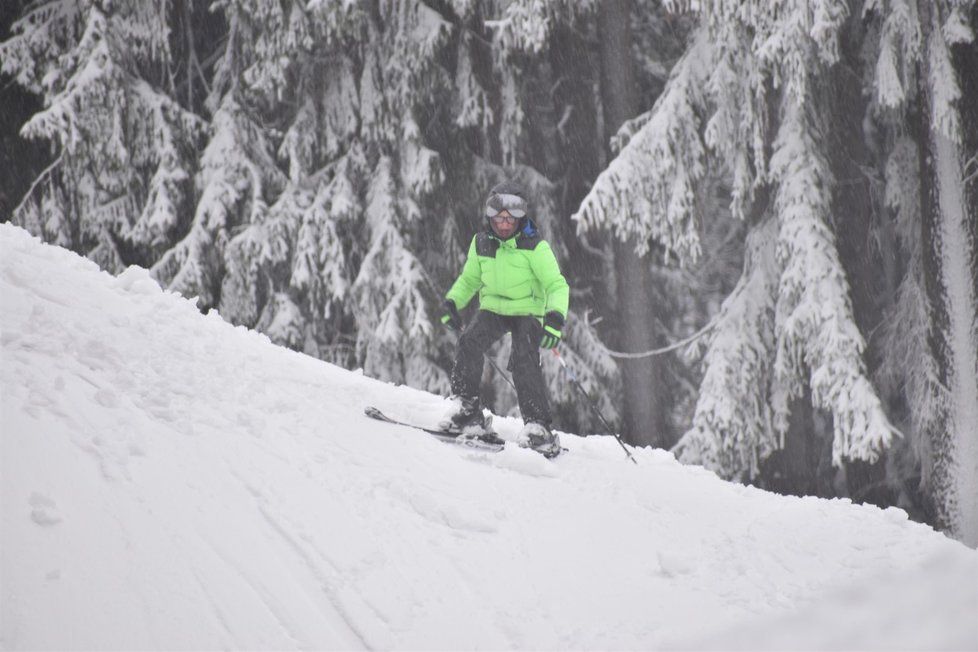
507, 196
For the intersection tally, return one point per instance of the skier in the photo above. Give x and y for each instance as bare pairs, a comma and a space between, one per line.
521, 291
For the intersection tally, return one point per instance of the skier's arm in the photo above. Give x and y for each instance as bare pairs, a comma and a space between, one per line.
468, 282
545, 267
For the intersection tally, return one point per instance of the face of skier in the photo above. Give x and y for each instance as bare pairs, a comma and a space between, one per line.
503, 224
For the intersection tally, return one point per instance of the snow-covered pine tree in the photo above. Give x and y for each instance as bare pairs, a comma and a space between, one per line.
760, 119
237, 177
932, 336
124, 149
323, 260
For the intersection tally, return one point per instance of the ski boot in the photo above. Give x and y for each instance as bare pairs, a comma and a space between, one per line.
465, 419
540, 438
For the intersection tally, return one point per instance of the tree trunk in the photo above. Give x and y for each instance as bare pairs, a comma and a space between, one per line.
644, 413
576, 138
950, 259
576, 129
792, 470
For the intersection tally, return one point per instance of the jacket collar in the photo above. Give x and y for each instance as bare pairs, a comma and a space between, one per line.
508, 242
527, 230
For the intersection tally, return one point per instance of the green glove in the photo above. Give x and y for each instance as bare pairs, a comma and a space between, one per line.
553, 323
450, 317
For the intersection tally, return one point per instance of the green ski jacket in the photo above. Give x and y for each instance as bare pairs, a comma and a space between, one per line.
518, 276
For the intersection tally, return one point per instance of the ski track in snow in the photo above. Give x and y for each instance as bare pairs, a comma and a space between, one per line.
170, 481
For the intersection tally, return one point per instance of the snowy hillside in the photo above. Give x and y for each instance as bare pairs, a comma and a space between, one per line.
171, 481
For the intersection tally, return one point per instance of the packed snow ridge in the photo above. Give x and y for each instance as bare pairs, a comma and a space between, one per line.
170, 481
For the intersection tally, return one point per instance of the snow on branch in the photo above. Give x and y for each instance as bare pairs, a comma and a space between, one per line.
900, 48
909, 365
238, 169
648, 190
475, 108
790, 322
389, 289
166, 132
126, 150
957, 27
946, 92
526, 25
94, 77
321, 265
732, 428
827, 20
38, 39
816, 330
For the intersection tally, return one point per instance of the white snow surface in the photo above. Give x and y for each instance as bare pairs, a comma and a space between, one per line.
170, 481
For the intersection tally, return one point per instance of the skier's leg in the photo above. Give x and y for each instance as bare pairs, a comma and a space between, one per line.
465, 415
524, 361
530, 388
475, 340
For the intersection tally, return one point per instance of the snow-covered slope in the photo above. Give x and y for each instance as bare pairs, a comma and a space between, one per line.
171, 481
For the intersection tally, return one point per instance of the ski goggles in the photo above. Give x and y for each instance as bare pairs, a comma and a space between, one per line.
499, 218
514, 204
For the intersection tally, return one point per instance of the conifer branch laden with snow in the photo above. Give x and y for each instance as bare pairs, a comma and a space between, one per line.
818, 342
733, 430
527, 25
646, 191
908, 366
238, 173
126, 160
390, 288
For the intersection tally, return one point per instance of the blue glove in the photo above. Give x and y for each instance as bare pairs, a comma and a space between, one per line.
553, 323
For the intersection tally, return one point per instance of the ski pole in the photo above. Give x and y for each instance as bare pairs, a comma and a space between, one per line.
590, 403
500, 371
495, 366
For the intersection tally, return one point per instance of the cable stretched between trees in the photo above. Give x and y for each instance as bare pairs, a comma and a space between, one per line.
681, 343
647, 354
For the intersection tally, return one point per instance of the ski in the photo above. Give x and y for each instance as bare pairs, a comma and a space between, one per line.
441, 435
449, 437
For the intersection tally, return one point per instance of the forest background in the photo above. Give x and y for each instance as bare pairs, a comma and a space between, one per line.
766, 209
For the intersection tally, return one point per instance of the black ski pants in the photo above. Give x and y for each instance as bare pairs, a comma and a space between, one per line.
524, 361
